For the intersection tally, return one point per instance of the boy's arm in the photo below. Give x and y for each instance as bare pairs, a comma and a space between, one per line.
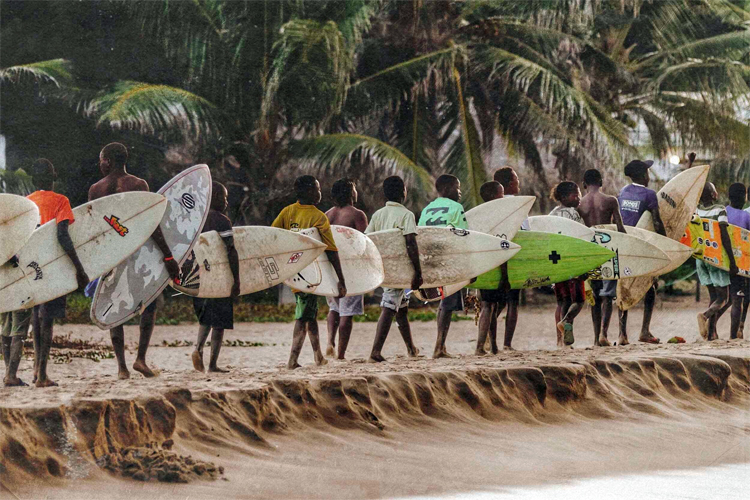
504, 281
63, 237
727, 242
360, 222
172, 268
333, 258
658, 224
412, 250
616, 216
234, 264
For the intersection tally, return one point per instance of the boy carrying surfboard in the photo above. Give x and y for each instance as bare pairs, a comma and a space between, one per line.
303, 215
217, 315
739, 286
598, 208
635, 199
113, 160
15, 325
394, 302
716, 280
570, 294
445, 211
342, 311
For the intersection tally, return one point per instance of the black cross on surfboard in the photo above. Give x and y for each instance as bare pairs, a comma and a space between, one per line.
554, 257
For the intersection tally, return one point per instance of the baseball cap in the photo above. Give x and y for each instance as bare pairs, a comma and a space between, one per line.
636, 167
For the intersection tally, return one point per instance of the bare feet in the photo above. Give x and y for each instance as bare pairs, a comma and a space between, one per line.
141, 368
123, 375
647, 338
566, 330
198, 362
507, 348
480, 352
441, 354
14, 382
216, 369
293, 366
603, 341
740, 334
622, 340
320, 360
413, 352
703, 326
331, 351
45, 382
375, 358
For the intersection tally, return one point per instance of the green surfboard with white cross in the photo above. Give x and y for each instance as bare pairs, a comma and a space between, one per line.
544, 259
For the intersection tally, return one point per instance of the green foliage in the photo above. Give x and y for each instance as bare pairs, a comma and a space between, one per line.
16, 182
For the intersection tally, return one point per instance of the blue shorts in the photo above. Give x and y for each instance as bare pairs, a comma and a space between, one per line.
711, 276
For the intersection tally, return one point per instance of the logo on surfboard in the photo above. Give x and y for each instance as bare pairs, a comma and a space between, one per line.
295, 258
38, 270
188, 201
114, 221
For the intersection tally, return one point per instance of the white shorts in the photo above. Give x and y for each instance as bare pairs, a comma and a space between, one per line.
347, 306
394, 299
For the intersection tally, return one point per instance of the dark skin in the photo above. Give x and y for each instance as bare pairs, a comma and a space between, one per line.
42, 327
567, 310
511, 318
117, 180
402, 318
650, 299
301, 327
718, 295
218, 203
597, 208
348, 216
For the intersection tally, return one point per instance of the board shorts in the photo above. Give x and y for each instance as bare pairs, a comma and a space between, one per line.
394, 299
493, 296
307, 306
572, 290
453, 302
347, 306
16, 323
216, 313
54, 309
711, 276
604, 288
739, 286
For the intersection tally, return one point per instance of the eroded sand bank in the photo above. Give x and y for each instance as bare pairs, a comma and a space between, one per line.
349, 429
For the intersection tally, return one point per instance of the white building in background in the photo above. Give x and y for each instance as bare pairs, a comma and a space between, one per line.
2, 152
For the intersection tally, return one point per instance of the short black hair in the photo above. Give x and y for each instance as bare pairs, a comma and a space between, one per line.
303, 185
637, 168
216, 188
563, 189
341, 191
444, 181
41, 168
489, 190
592, 177
737, 193
116, 152
504, 176
393, 188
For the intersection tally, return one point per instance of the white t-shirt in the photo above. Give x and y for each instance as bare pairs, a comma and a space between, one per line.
567, 213
393, 216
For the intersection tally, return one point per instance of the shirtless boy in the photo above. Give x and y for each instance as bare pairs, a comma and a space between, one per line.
112, 163
342, 311
599, 208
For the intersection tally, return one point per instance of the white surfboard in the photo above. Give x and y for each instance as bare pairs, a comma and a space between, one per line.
132, 286
447, 255
18, 219
360, 262
678, 200
267, 255
105, 232
674, 250
633, 256
502, 217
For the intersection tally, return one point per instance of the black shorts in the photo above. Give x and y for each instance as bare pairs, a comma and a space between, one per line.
216, 313
493, 296
54, 309
453, 302
739, 285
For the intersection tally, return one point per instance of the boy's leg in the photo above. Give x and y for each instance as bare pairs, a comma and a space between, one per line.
445, 312
511, 318
402, 320
334, 322
485, 323
15, 328
217, 338
648, 309
312, 332
623, 338
305, 313
117, 335
722, 294
148, 319
745, 305
596, 313
298, 340
6, 325
36, 335
47, 314
704, 278
381, 333
603, 341
737, 296
203, 331
348, 308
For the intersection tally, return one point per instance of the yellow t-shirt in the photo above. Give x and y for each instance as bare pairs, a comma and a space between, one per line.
298, 217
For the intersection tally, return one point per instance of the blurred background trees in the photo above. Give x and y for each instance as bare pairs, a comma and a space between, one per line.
262, 90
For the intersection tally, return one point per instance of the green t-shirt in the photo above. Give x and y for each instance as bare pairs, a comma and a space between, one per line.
444, 212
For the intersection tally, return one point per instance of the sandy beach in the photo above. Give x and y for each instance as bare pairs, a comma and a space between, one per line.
534, 416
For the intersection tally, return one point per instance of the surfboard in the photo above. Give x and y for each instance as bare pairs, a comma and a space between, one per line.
674, 250
544, 259
714, 252
360, 262
267, 255
678, 200
502, 217
18, 219
132, 286
105, 232
633, 256
447, 255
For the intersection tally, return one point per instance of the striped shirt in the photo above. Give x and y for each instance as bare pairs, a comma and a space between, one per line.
714, 212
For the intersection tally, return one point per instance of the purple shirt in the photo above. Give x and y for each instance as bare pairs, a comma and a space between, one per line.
634, 200
738, 217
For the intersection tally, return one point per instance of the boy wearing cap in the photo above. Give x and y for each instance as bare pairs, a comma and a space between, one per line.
635, 199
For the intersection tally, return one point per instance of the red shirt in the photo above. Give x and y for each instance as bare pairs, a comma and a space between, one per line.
52, 206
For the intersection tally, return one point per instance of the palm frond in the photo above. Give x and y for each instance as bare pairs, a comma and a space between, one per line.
55, 71
16, 182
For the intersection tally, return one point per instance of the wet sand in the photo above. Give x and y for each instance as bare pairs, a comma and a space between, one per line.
350, 429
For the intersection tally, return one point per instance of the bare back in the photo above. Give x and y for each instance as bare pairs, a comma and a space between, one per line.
117, 183
348, 216
599, 208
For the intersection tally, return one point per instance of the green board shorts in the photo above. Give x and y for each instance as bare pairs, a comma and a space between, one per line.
16, 323
711, 276
307, 307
